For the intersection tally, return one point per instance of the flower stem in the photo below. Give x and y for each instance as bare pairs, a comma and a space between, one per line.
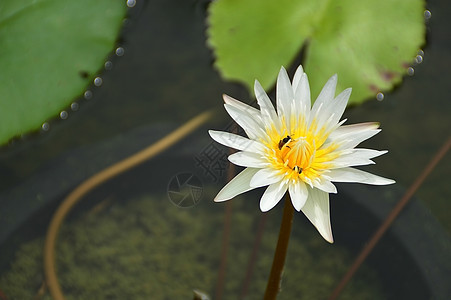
275, 277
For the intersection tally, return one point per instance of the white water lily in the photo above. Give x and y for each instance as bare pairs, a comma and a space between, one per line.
299, 148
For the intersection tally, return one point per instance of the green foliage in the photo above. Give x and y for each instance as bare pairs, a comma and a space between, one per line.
50, 51
149, 249
369, 44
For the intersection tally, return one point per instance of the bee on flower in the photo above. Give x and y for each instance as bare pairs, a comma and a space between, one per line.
299, 148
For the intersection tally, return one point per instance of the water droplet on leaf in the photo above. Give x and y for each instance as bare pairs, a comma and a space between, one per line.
120, 51
64, 115
418, 59
45, 126
108, 65
74, 106
131, 3
98, 81
88, 95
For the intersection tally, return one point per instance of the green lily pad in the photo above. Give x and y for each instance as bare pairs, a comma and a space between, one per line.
369, 44
50, 51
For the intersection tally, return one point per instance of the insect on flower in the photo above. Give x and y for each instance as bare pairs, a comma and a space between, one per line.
284, 141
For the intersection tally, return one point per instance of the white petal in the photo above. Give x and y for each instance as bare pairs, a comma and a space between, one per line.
246, 121
347, 161
298, 194
325, 185
326, 113
349, 136
241, 106
269, 115
355, 139
356, 157
354, 175
272, 195
297, 77
238, 185
265, 177
316, 209
345, 130
338, 105
248, 159
302, 98
236, 141
341, 101
367, 153
284, 94
326, 95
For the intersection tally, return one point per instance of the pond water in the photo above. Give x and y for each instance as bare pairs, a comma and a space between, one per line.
130, 230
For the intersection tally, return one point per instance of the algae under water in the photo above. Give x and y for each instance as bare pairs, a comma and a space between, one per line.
147, 248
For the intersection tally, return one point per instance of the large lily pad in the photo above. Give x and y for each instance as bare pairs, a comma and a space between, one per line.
369, 44
49, 52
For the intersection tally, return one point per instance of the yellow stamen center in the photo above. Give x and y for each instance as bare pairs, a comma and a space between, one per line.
300, 154
294, 157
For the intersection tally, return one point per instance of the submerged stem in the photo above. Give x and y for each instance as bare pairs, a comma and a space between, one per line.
275, 277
